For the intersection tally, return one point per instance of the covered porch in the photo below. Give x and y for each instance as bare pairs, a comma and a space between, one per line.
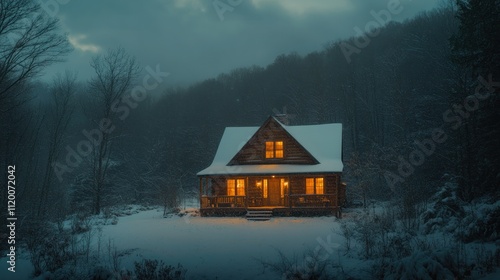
283, 194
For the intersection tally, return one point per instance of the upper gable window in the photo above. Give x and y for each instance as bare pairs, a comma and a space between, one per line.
274, 149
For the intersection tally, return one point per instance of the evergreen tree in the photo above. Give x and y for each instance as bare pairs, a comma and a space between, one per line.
475, 50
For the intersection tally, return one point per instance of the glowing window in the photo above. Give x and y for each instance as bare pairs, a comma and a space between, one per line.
274, 149
269, 149
231, 187
309, 185
319, 186
240, 187
264, 189
278, 149
284, 187
315, 186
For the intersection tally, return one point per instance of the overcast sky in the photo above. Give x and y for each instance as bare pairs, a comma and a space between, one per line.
198, 39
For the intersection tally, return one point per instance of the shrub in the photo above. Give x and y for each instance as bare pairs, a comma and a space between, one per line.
50, 249
481, 223
421, 265
153, 270
312, 266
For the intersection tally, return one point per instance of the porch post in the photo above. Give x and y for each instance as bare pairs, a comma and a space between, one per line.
201, 191
289, 193
338, 190
338, 194
247, 188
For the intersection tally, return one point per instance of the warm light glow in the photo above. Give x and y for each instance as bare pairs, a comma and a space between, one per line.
319, 186
265, 190
274, 149
240, 187
282, 187
269, 149
278, 149
309, 185
231, 187
315, 186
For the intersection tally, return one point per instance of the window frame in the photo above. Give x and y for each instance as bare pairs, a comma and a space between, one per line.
271, 152
236, 187
231, 187
282, 150
240, 187
265, 189
310, 189
318, 183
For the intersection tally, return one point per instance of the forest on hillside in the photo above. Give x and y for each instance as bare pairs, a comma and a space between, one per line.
418, 101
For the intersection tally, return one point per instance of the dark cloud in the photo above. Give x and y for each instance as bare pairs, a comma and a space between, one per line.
192, 41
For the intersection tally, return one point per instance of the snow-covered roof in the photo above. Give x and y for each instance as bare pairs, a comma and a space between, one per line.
323, 142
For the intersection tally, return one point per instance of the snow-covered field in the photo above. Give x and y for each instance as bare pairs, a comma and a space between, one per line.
210, 247
230, 247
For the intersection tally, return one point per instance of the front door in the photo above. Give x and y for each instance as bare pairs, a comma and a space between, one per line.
274, 192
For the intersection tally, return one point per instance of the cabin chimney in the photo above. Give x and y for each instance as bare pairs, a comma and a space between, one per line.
283, 118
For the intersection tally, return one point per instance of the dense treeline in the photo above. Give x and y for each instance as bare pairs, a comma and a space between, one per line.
403, 96
389, 95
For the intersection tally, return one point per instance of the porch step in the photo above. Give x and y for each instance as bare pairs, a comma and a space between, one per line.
259, 215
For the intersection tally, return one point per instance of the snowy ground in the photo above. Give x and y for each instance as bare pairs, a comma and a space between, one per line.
214, 247
226, 248
221, 248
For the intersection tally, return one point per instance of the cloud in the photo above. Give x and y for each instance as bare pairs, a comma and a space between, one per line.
301, 7
192, 4
76, 42
188, 39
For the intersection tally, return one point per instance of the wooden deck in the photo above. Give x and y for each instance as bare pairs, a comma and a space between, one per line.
290, 201
278, 211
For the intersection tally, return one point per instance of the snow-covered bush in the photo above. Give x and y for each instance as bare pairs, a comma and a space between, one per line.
311, 266
421, 265
169, 197
445, 211
366, 233
481, 222
347, 231
438, 250
80, 224
469, 222
156, 270
49, 248
485, 260
378, 234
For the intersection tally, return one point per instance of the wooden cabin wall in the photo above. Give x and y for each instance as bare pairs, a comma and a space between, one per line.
331, 184
252, 189
254, 151
297, 183
219, 186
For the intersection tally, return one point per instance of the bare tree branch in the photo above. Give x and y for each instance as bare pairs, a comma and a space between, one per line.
29, 41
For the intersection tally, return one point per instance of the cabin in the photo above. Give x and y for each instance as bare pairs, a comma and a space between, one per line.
289, 170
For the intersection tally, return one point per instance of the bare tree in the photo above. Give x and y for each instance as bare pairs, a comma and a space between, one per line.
362, 170
62, 90
115, 72
29, 41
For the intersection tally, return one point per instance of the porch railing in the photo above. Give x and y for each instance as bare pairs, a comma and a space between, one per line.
222, 201
294, 201
312, 200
